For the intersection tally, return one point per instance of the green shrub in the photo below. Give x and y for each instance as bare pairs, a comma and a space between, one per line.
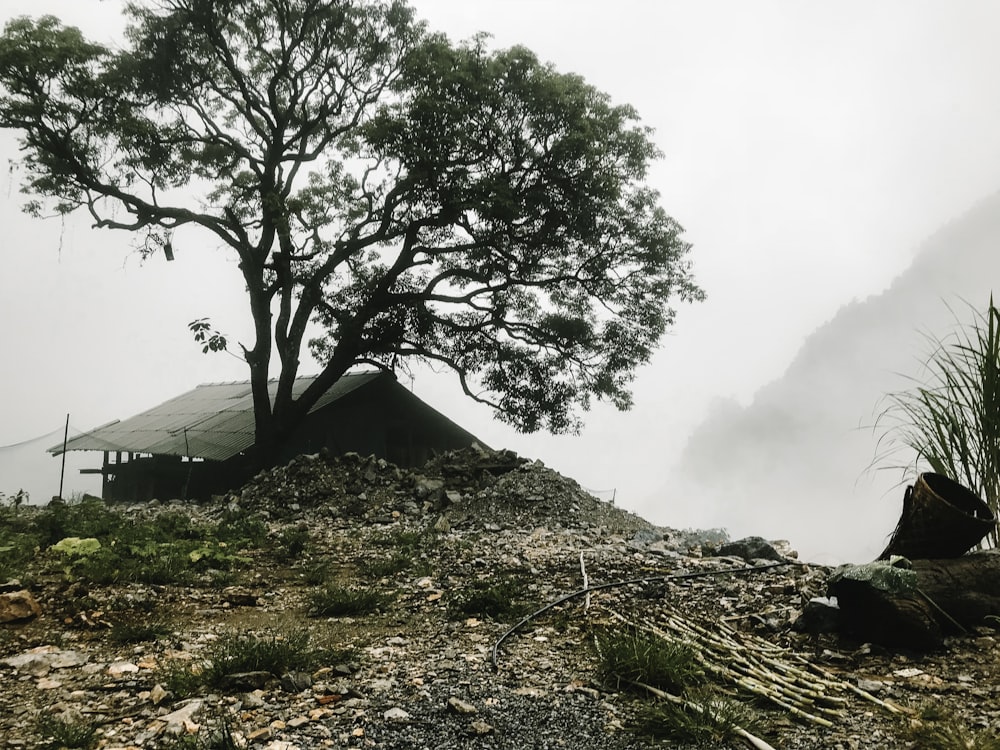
629, 657
375, 567
58, 733
181, 678
951, 418
136, 629
704, 720
318, 573
238, 528
273, 652
91, 517
500, 601
292, 541
950, 734
339, 601
173, 525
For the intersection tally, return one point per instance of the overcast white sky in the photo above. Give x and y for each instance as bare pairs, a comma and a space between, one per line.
809, 147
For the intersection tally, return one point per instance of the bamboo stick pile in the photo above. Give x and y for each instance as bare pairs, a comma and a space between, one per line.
759, 668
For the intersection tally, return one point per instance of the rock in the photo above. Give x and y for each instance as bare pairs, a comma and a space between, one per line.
442, 525
458, 706
820, 615
644, 537
182, 720
296, 682
750, 548
39, 661
479, 728
158, 694
245, 681
254, 699
259, 735
18, 605
396, 714
119, 668
237, 597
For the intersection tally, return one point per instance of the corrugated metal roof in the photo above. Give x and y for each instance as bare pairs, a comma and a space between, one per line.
214, 421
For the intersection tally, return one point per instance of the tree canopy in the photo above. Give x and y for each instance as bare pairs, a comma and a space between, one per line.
391, 196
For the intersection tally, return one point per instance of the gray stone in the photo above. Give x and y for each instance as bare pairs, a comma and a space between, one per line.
820, 615
175, 722
296, 682
644, 537
38, 662
458, 706
750, 548
245, 681
396, 714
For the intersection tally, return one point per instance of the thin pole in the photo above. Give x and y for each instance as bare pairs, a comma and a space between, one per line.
62, 471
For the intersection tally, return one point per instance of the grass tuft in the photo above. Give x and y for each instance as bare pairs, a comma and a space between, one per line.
949, 418
635, 657
937, 731
503, 600
57, 732
273, 652
714, 721
137, 630
340, 601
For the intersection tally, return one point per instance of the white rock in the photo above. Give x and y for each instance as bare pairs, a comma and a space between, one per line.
118, 668
177, 722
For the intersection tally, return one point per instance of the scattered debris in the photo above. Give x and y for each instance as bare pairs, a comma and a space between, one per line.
415, 671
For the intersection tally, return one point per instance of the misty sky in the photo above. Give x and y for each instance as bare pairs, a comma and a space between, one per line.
809, 148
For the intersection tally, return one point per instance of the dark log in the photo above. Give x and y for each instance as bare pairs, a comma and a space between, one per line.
949, 597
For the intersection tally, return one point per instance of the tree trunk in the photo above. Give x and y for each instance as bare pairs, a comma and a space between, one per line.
950, 596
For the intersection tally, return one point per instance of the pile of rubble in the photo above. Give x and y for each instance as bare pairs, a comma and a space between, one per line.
473, 486
420, 672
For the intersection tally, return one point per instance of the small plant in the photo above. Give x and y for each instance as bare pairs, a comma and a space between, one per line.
503, 600
950, 734
137, 630
318, 573
704, 720
239, 528
16, 500
629, 657
272, 652
339, 601
182, 679
292, 541
58, 732
386, 566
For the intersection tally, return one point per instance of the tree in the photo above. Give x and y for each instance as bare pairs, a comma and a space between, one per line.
409, 198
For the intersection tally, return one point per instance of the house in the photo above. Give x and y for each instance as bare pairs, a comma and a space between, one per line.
201, 442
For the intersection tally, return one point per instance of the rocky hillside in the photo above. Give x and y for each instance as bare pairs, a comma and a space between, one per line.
348, 603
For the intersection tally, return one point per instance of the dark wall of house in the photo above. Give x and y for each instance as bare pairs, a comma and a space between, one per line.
381, 418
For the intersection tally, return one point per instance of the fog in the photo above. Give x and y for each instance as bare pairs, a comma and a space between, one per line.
28, 466
799, 460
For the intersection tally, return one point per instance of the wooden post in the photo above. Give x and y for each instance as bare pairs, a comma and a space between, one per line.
62, 471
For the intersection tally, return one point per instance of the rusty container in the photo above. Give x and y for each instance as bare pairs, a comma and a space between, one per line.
940, 519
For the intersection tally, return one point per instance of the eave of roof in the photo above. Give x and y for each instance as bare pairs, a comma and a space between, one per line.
214, 421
